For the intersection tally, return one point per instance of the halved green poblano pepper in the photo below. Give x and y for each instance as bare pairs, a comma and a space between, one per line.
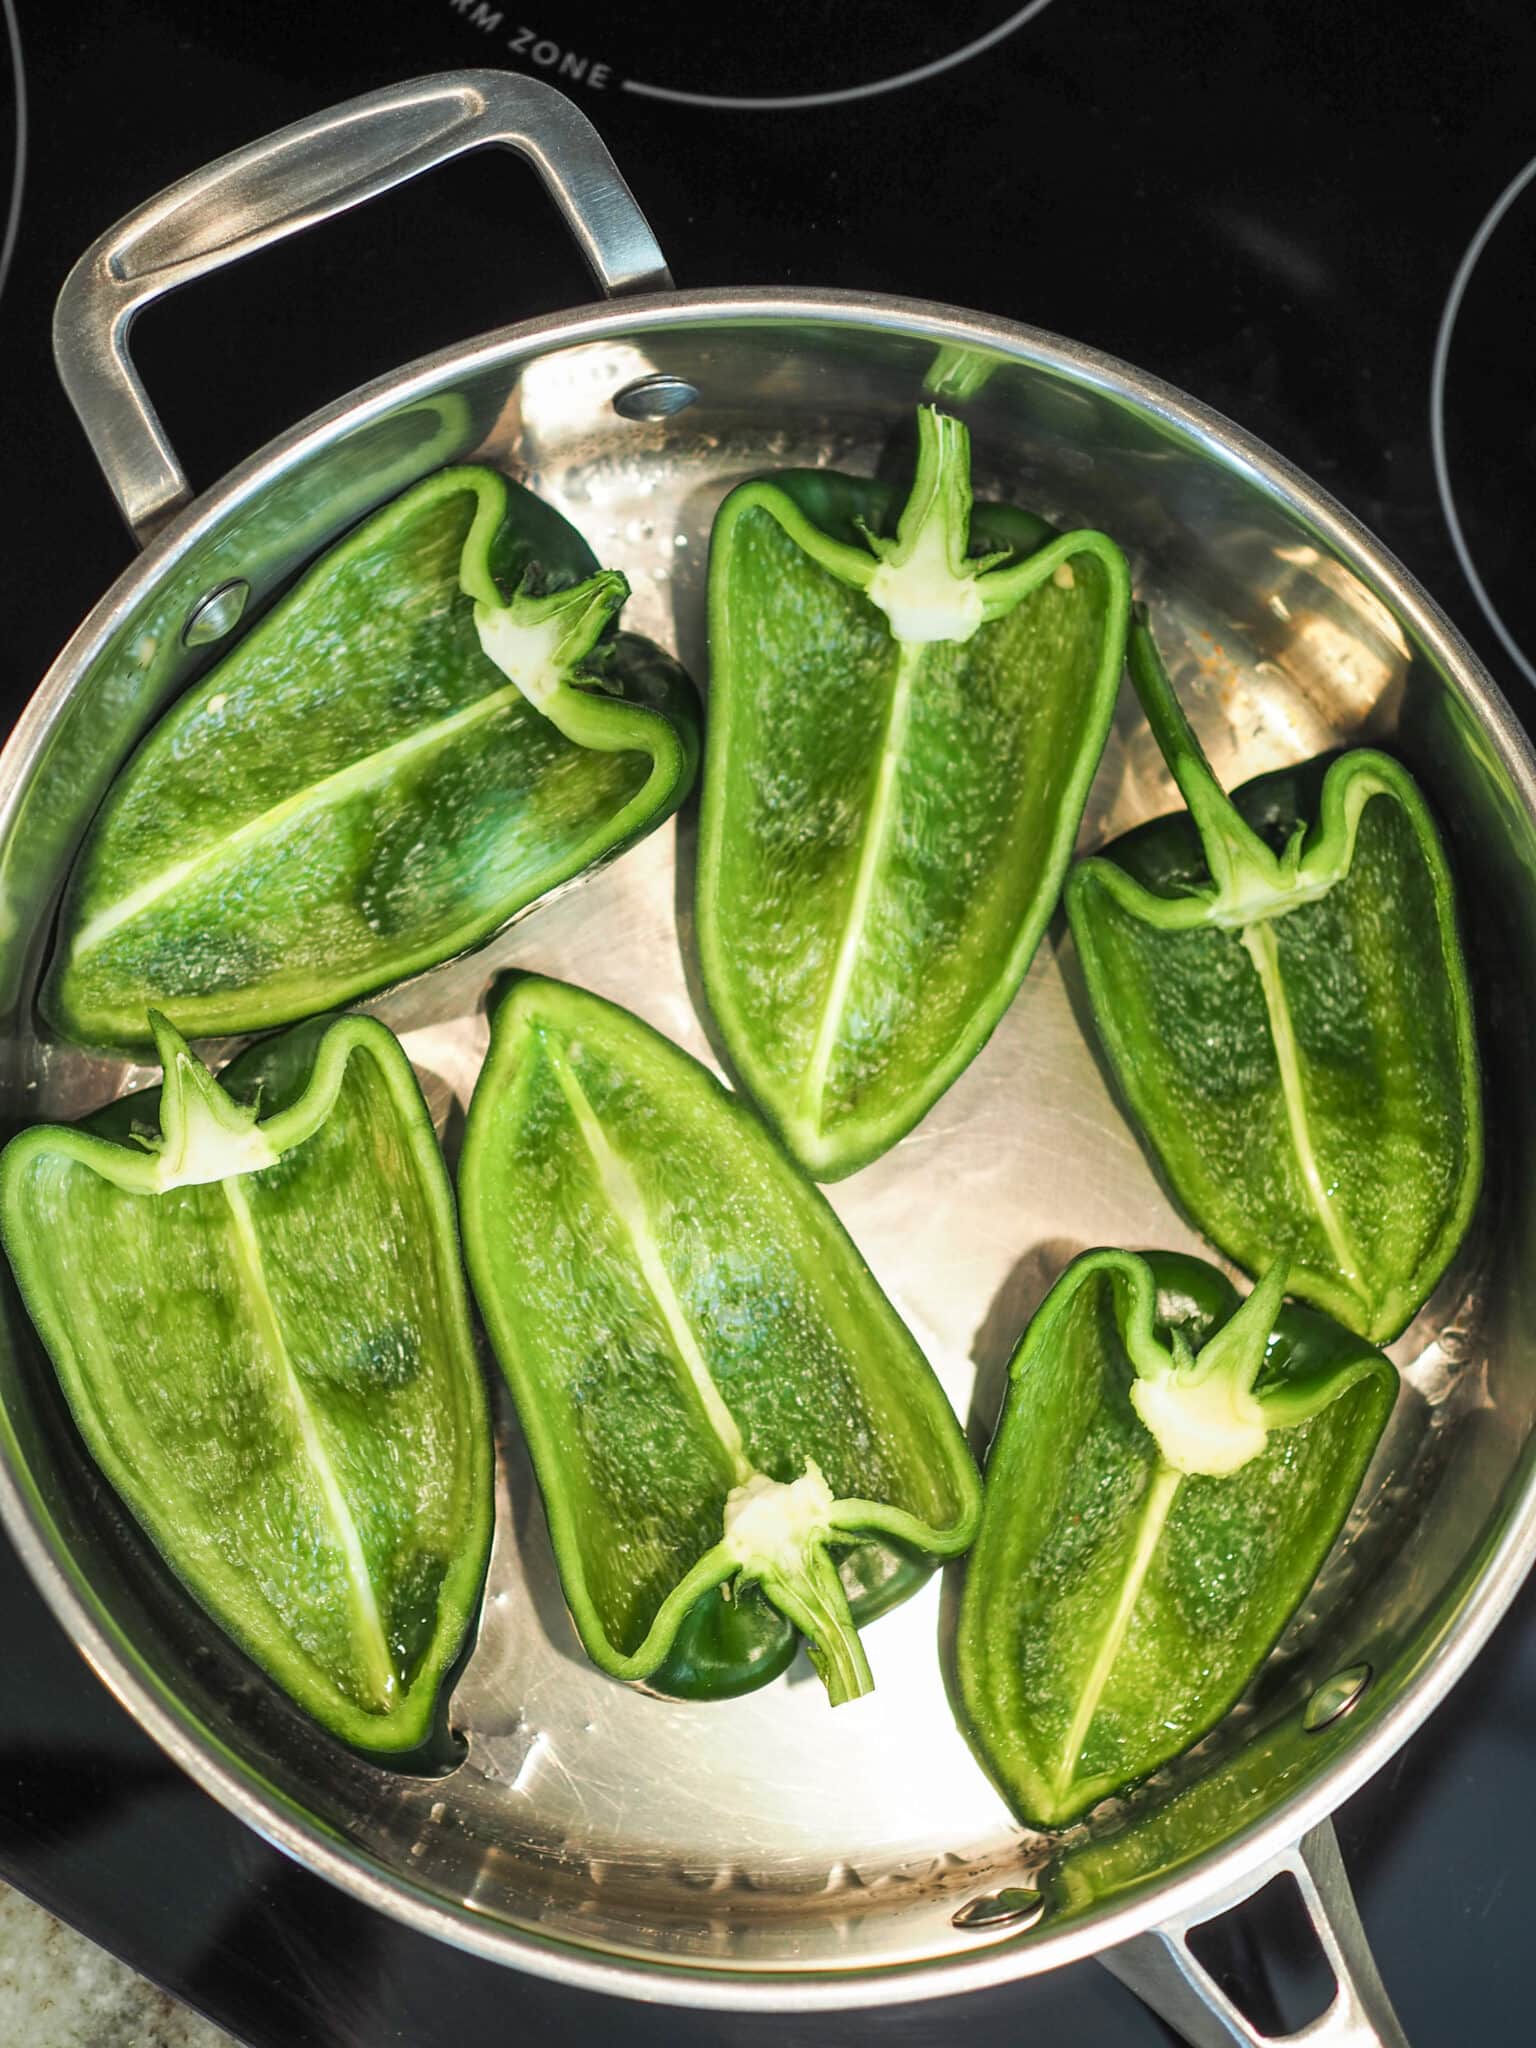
737, 1440
1278, 981
392, 764
260, 1324
1168, 1474
901, 737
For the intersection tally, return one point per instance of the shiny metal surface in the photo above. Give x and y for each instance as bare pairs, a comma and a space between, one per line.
1335, 1696
654, 398
767, 1851
289, 181
1162, 1969
218, 614
1017, 1907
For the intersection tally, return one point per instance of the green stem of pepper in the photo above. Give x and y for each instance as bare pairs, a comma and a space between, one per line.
779, 1532
936, 519
203, 1135
539, 643
1242, 866
1202, 1411
924, 580
812, 1597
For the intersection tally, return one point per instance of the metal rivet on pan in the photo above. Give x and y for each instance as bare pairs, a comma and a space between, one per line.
213, 616
654, 398
1335, 1696
1017, 1906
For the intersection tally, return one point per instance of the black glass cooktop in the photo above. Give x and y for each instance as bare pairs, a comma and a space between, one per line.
1320, 219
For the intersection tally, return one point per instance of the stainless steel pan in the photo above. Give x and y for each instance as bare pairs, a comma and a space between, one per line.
768, 1853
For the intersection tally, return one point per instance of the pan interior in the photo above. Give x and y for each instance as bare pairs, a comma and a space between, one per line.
769, 1834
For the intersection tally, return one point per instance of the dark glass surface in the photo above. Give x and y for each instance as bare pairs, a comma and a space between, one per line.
1264, 204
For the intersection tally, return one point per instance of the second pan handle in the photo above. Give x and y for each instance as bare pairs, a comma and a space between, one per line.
1162, 1969
285, 183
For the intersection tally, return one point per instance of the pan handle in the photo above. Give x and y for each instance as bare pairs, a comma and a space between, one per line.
288, 181
1161, 1969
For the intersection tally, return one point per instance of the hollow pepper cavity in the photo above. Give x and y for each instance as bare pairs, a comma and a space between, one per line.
1170, 1470
392, 764
1278, 981
905, 716
737, 1440
260, 1324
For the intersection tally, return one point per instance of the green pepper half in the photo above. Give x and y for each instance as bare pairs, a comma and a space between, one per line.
262, 1332
901, 737
390, 766
1286, 1009
736, 1438
1169, 1472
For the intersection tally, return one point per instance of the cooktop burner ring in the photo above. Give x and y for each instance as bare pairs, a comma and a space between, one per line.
1437, 436
12, 223
839, 95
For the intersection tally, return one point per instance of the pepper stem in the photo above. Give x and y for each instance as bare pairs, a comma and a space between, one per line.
1236, 1351
1241, 864
1202, 1411
812, 1597
204, 1135
924, 582
537, 641
778, 1531
958, 373
936, 519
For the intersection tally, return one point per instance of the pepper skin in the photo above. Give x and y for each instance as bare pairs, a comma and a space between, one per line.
391, 765
1285, 1006
262, 1332
737, 1440
1170, 1470
901, 737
